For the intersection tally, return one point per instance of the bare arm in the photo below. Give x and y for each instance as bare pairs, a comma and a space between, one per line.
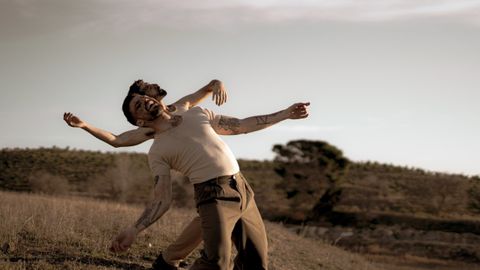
158, 205
227, 125
215, 87
128, 138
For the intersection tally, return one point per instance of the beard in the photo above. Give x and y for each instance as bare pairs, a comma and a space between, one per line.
154, 91
154, 111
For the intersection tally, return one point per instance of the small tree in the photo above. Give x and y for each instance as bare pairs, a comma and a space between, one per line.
312, 172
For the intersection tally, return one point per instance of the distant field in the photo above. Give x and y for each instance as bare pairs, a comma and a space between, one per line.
41, 232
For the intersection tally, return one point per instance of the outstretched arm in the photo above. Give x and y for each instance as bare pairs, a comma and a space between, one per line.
215, 87
227, 125
128, 138
159, 204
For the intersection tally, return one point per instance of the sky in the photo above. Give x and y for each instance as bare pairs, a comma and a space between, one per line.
389, 81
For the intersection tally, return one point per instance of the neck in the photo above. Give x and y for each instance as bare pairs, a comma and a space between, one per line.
166, 121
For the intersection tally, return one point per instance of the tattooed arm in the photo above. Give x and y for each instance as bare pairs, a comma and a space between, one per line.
227, 125
162, 198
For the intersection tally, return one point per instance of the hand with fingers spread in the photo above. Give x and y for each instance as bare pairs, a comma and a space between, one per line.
73, 120
298, 110
219, 93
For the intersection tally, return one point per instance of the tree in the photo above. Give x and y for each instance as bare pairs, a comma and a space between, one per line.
312, 173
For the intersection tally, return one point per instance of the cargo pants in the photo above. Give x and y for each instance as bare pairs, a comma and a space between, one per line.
228, 212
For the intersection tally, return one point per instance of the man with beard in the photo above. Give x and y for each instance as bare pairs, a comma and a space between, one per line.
188, 141
191, 235
137, 136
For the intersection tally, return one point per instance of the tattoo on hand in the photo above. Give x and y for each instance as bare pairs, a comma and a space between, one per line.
228, 123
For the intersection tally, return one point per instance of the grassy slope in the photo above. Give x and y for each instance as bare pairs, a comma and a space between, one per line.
74, 233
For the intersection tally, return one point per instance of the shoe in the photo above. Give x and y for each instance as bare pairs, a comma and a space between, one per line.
161, 264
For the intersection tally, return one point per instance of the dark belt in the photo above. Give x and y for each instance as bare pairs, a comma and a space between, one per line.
224, 179
220, 180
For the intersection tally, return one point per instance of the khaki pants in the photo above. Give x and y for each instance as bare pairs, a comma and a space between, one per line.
228, 213
186, 242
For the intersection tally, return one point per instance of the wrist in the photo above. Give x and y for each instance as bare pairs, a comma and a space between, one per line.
136, 229
213, 85
285, 115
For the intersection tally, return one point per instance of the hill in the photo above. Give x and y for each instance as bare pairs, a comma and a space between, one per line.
376, 209
42, 232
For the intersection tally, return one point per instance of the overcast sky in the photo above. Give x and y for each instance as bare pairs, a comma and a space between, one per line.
389, 81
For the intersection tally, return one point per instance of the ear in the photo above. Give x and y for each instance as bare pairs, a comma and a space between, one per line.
144, 123
140, 123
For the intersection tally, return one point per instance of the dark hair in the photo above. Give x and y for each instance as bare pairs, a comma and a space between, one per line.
138, 87
141, 88
148, 89
126, 109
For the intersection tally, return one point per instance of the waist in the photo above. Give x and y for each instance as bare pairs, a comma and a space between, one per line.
220, 180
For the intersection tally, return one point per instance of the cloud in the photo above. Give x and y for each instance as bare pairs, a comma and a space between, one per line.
245, 11
213, 12
33, 16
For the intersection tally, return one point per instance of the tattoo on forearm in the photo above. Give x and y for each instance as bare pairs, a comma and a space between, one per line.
229, 123
262, 120
265, 119
150, 215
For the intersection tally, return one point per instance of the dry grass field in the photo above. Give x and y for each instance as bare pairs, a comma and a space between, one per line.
42, 232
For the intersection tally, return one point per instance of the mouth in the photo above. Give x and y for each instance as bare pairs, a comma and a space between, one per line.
151, 106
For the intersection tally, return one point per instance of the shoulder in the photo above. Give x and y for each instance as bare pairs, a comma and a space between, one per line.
149, 132
179, 106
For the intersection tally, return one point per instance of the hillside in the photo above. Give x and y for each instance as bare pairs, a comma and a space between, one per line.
378, 209
42, 232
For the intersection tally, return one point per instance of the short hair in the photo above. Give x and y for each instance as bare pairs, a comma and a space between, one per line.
126, 109
138, 87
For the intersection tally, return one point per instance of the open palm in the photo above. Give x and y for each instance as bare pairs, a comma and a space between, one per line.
73, 120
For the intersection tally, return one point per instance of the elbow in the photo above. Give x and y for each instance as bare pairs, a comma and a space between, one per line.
118, 142
115, 144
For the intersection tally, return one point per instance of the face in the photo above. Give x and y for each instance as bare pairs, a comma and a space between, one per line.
153, 90
146, 108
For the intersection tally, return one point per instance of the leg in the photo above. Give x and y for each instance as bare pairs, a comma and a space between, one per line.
185, 243
251, 240
249, 235
220, 205
218, 220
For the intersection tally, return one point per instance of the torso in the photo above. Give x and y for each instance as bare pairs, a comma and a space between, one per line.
193, 148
